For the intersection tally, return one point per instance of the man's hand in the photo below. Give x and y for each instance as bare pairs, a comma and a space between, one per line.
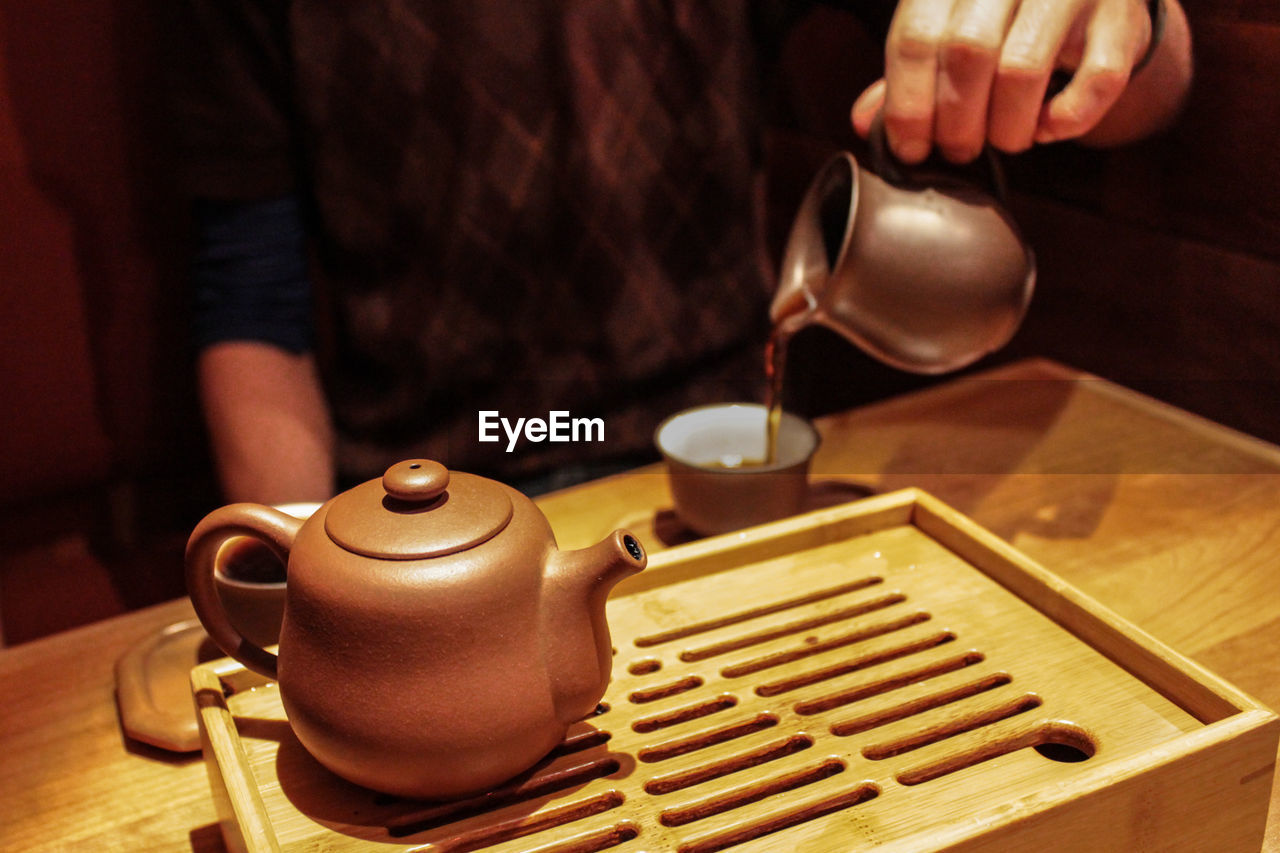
960, 74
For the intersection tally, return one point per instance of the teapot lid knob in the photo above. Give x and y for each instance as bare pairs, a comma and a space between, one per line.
416, 480
418, 508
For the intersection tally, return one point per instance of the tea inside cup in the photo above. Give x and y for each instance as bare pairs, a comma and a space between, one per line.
717, 469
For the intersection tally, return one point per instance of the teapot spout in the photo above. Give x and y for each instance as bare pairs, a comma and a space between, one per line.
575, 633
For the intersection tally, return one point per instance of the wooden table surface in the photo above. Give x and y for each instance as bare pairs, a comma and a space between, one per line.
1170, 520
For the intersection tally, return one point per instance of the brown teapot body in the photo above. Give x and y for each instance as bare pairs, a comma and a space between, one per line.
432, 646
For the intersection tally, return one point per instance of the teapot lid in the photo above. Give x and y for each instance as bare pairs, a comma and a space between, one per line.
418, 509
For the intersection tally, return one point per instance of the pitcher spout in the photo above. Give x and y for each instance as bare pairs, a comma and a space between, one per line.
575, 633
819, 235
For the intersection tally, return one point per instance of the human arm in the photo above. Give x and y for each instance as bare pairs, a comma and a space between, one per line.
963, 73
264, 406
268, 423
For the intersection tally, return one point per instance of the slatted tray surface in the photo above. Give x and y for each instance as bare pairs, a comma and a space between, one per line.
849, 684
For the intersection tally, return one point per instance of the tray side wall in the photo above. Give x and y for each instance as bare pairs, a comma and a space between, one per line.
1168, 807
730, 550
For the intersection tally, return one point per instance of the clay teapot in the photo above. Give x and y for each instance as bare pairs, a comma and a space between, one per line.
435, 642
920, 266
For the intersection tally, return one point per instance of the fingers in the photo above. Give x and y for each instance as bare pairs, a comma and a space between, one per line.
911, 69
960, 74
1116, 37
966, 68
1027, 58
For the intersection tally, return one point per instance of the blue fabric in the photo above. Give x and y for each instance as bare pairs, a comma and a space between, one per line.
249, 273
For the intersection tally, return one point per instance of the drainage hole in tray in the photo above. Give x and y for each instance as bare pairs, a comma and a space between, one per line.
752, 793
704, 739
593, 842
754, 613
678, 781
1049, 740
662, 691
1065, 742
778, 821
645, 666
1063, 753
799, 626
795, 682
830, 701
645, 725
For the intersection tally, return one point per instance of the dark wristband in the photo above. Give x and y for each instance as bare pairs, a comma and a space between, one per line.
1156, 9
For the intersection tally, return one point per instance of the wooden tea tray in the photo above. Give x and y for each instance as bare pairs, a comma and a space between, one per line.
883, 674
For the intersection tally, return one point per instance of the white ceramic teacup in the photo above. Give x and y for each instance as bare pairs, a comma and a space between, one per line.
713, 491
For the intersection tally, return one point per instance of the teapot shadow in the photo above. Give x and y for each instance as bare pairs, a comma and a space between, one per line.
344, 807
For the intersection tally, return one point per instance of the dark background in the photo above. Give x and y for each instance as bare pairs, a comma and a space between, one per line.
1159, 269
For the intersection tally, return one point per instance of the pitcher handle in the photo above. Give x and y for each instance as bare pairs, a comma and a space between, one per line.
984, 171
274, 529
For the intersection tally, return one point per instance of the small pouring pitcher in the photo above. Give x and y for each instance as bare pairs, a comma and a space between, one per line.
921, 267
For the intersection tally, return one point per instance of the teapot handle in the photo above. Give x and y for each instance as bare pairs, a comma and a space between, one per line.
274, 529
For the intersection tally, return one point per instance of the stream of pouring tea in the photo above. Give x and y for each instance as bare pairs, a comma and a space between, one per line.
775, 364
775, 368
834, 216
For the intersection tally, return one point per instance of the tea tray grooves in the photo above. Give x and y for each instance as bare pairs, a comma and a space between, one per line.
863, 676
